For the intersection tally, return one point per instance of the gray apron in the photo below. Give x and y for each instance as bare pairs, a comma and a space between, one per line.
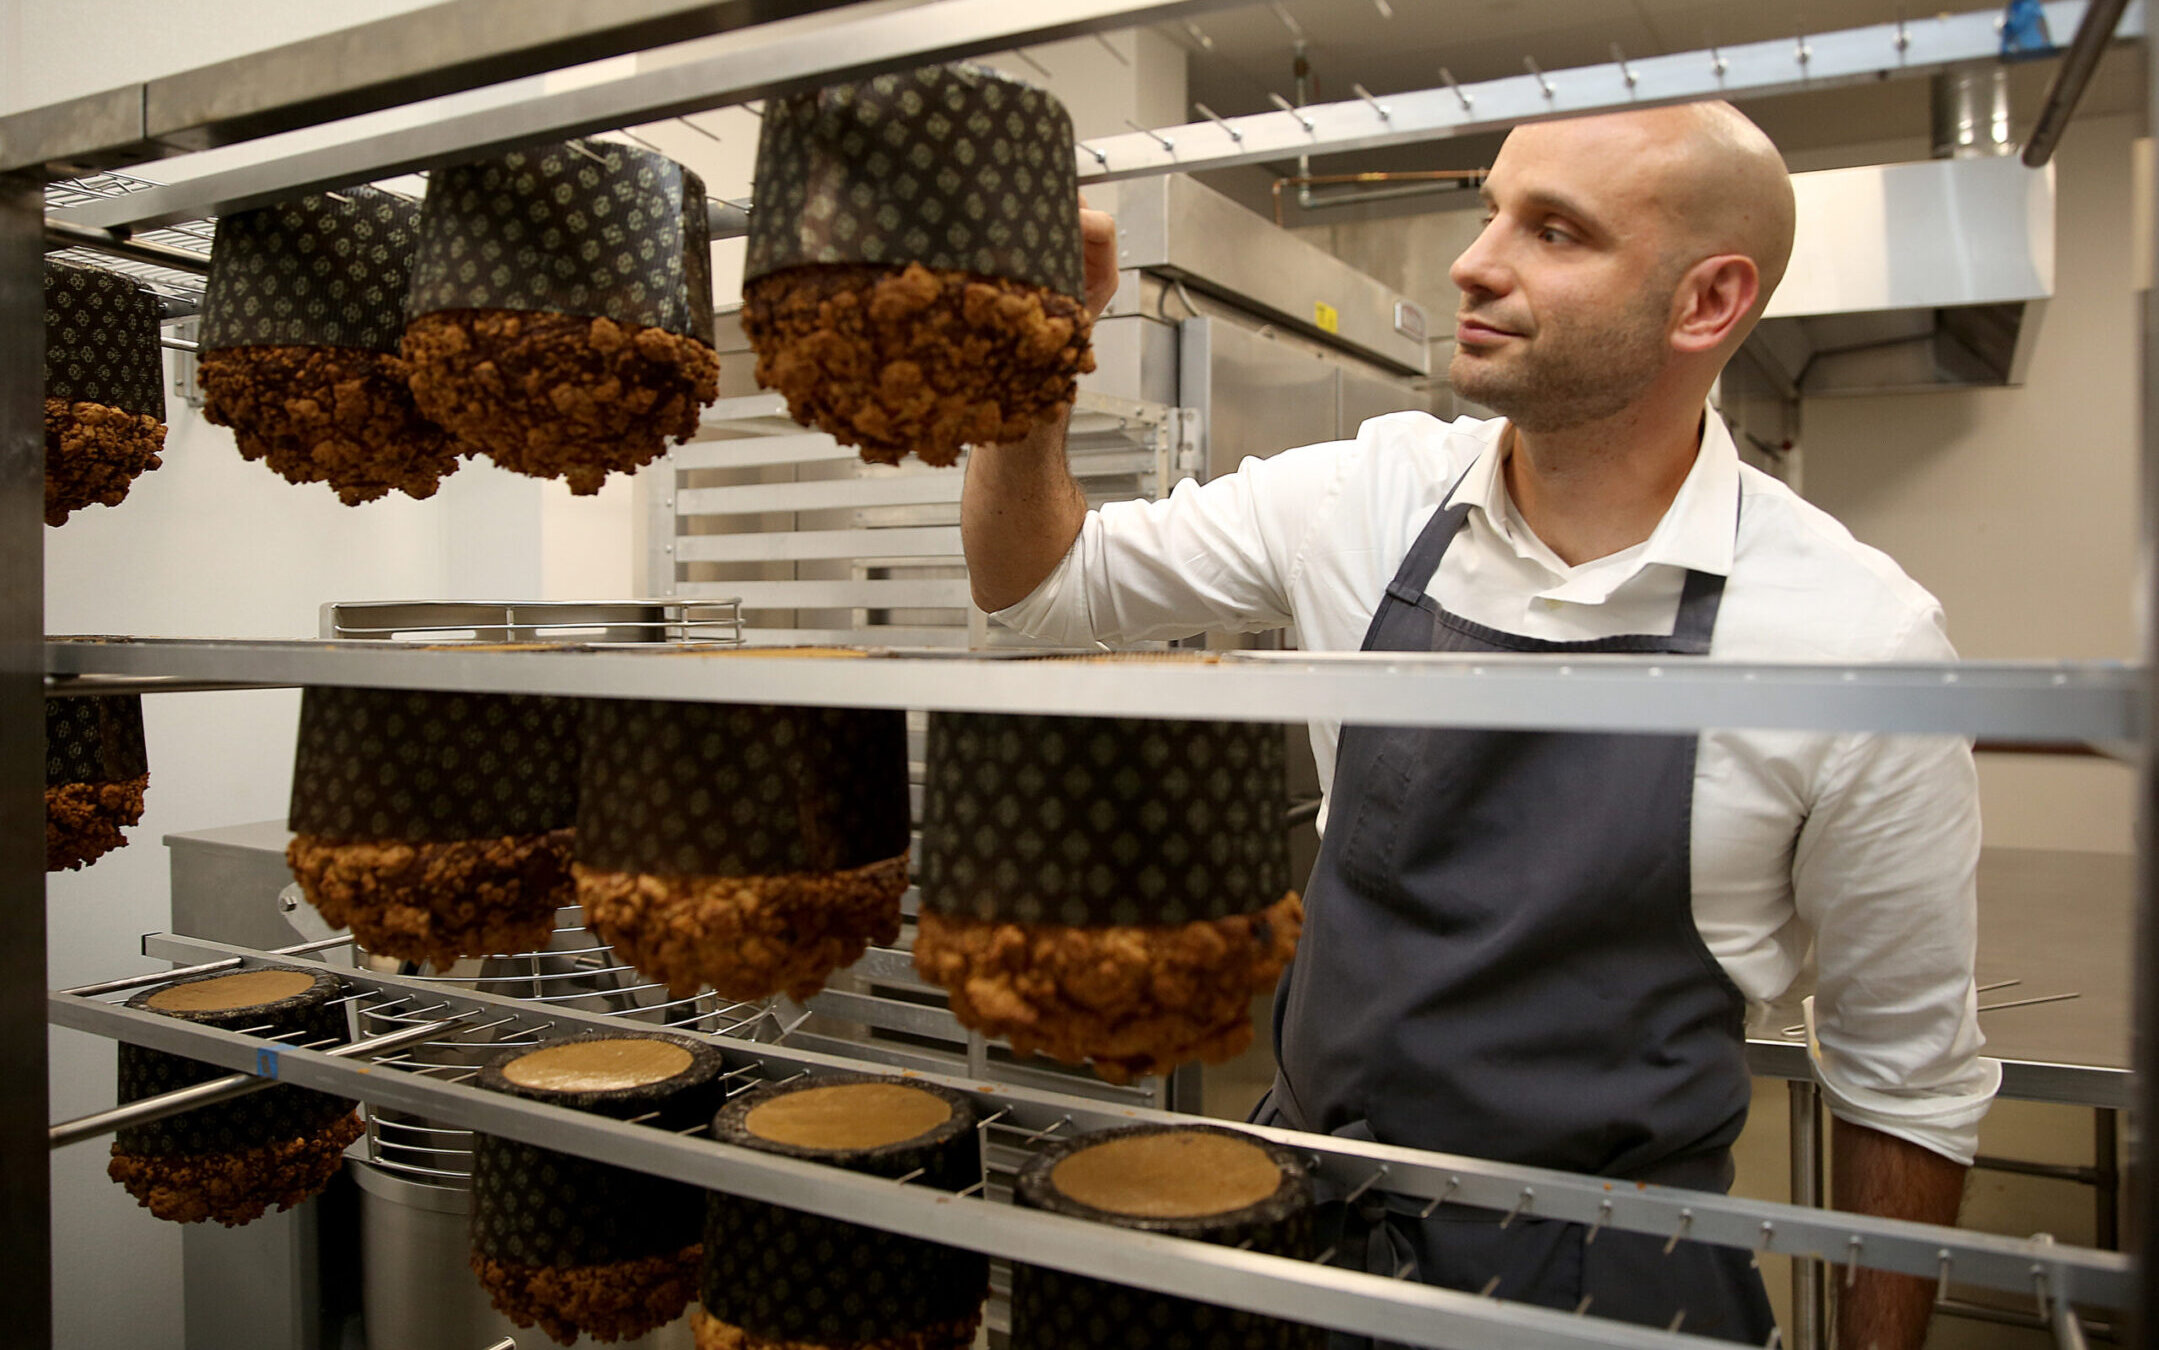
1500, 959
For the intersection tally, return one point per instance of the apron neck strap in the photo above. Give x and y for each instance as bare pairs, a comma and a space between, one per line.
1699, 600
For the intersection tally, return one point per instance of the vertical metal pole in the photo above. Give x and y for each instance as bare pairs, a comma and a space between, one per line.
2106, 1179
2143, 1329
2143, 1198
25, 1177
1808, 1321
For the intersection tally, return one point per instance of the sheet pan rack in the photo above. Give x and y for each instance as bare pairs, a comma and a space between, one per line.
2058, 1279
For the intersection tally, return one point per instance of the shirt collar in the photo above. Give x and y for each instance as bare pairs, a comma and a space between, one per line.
1698, 531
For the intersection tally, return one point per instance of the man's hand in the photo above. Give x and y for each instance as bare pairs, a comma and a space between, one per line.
1098, 250
1882, 1175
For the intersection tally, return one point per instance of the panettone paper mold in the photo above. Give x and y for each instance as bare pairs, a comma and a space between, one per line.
94, 740
281, 1112
1101, 821
583, 227
789, 1277
324, 270
434, 767
101, 340
732, 790
955, 167
536, 1206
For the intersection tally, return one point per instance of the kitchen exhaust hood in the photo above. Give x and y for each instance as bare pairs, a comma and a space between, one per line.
1906, 277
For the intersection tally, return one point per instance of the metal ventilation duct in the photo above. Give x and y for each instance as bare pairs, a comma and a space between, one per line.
1908, 277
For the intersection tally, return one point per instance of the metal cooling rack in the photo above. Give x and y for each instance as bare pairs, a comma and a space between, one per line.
180, 289
1016, 1121
575, 971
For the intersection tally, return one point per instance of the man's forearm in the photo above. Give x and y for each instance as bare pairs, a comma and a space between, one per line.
1879, 1174
1020, 510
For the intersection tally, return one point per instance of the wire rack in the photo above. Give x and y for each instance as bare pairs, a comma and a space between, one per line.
181, 290
1015, 1123
575, 971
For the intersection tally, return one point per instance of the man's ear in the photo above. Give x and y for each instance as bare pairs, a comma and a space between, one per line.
1713, 301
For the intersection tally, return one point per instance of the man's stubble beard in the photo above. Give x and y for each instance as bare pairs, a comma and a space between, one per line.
1569, 375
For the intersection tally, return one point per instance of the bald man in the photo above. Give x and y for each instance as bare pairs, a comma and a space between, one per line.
1539, 947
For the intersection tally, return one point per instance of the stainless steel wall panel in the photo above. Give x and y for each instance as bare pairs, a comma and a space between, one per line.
1256, 397
1365, 396
1174, 227
1135, 358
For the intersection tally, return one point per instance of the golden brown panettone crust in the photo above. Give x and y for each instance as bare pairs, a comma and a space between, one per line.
619, 1301
83, 820
898, 360
93, 454
336, 415
559, 395
437, 902
747, 937
235, 1188
1132, 1000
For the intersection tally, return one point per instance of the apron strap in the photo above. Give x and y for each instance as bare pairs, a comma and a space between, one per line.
1421, 563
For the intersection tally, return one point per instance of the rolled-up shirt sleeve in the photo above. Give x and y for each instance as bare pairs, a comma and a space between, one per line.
1885, 873
1215, 556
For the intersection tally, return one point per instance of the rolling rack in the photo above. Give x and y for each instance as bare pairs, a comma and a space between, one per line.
771, 47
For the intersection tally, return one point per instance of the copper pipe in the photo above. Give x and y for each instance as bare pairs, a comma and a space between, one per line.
1469, 176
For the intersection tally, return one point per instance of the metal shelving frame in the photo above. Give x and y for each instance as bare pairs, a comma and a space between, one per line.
1394, 1309
769, 47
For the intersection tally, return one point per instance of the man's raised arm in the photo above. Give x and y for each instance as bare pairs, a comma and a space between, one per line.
1021, 509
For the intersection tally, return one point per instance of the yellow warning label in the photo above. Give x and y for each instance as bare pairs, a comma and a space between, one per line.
1326, 316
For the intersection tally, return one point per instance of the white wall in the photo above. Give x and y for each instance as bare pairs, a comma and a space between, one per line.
2018, 507
210, 545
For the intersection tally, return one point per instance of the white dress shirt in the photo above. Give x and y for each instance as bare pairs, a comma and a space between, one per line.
1864, 845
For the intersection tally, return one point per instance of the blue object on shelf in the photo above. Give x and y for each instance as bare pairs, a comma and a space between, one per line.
2024, 31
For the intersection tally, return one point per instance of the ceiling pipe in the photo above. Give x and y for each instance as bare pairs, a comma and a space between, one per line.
2075, 72
1421, 181
1970, 111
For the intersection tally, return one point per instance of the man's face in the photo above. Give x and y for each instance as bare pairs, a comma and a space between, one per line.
1567, 292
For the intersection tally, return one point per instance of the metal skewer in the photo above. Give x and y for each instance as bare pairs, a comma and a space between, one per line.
165, 1104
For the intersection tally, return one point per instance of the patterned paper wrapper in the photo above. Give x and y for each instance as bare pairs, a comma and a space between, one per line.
753, 849
101, 341
575, 1245
317, 271
1112, 891
1086, 822
954, 167
733, 790
96, 770
433, 766
94, 740
784, 1276
583, 227
231, 1161
104, 388
1055, 1310
436, 825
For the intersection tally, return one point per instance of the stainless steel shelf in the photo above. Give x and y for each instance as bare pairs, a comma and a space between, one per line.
282, 89
1396, 1310
2035, 701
